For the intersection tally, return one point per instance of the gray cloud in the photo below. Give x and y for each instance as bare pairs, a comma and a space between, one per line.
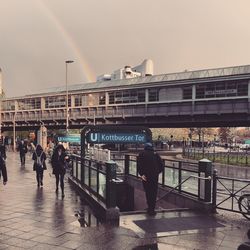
38, 36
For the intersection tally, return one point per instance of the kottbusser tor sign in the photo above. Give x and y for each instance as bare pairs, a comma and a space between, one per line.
116, 137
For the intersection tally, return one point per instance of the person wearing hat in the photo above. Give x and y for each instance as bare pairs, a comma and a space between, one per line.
3, 169
149, 165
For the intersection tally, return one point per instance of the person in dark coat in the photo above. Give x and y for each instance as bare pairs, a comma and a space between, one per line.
149, 165
39, 158
3, 169
58, 162
22, 150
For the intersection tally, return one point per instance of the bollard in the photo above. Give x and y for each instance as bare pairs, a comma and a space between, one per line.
110, 184
204, 186
214, 193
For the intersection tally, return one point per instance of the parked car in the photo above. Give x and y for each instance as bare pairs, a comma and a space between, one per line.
245, 146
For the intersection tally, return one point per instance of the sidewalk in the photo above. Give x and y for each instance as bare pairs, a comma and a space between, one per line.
35, 218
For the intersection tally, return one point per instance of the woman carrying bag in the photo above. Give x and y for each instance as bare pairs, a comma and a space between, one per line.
39, 166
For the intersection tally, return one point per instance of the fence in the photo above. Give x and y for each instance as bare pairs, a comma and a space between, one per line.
229, 194
95, 177
230, 157
174, 173
99, 177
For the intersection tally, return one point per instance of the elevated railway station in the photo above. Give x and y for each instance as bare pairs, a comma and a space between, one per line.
213, 97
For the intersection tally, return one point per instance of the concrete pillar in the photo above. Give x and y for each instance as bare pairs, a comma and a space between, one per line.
42, 103
106, 98
72, 97
146, 95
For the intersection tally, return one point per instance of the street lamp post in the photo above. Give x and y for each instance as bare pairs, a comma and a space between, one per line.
67, 95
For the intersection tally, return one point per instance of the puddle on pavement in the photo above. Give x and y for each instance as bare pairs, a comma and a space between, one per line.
147, 247
86, 218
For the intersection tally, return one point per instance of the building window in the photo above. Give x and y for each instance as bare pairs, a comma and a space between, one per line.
187, 92
102, 99
153, 95
56, 102
78, 100
222, 89
127, 96
27, 104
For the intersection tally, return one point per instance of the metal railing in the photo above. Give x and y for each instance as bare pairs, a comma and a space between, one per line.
227, 193
173, 174
230, 157
177, 187
93, 175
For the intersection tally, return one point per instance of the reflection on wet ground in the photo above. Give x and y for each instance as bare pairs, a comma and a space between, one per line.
37, 218
86, 218
147, 247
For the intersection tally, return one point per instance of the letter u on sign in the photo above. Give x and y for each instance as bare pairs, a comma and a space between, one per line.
93, 137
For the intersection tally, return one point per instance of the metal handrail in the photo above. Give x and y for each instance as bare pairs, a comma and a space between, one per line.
191, 176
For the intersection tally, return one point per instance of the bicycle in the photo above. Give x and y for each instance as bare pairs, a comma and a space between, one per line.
244, 205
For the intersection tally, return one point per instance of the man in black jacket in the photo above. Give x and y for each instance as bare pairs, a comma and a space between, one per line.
3, 170
22, 150
149, 165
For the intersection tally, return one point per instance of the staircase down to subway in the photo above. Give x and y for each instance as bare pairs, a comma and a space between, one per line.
113, 188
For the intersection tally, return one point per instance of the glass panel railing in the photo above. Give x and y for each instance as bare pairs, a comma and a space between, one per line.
93, 181
74, 169
171, 177
79, 171
191, 185
132, 167
102, 185
86, 175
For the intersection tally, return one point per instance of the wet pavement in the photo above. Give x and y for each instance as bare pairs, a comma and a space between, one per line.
36, 218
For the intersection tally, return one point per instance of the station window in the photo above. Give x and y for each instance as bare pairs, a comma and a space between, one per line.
102, 99
222, 89
78, 100
8, 105
27, 104
127, 96
187, 92
200, 91
153, 95
242, 89
111, 98
56, 102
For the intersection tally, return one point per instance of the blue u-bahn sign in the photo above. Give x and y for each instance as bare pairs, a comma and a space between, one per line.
114, 134
115, 137
70, 139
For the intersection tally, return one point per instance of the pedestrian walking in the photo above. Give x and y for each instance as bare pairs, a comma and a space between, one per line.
22, 150
39, 165
3, 170
58, 163
150, 165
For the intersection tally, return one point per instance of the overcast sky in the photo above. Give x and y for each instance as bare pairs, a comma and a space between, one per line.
37, 36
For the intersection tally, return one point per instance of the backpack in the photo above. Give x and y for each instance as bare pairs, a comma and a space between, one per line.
39, 164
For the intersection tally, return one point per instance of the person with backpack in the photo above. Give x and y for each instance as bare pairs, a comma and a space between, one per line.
39, 166
150, 165
3, 170
58, 162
